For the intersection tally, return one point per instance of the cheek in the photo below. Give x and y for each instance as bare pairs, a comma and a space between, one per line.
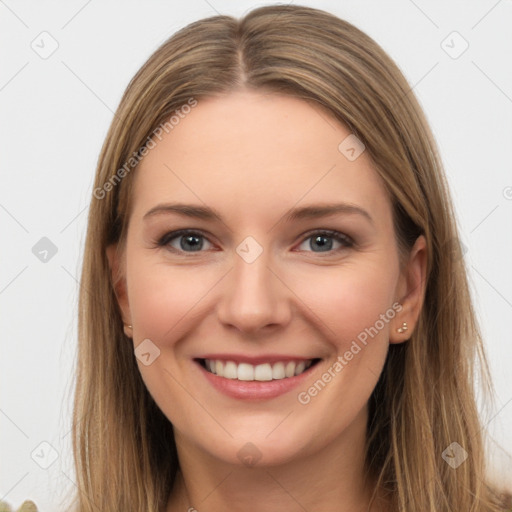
343, 300
336, 305
347, 300
163, 299
354, 312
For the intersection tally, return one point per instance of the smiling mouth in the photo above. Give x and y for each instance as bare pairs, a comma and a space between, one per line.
260, 372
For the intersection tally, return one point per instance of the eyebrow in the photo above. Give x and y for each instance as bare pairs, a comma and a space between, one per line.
313, 211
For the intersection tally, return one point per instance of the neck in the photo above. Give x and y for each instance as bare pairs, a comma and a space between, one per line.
331, 479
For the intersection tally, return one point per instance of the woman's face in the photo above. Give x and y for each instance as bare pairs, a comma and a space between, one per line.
258, 289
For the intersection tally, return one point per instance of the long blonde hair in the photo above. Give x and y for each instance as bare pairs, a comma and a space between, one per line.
124, 451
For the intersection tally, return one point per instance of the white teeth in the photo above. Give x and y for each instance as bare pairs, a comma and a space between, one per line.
260, 372
278, 371
230, 370
245, 371
263, 372
289, 370
300, 368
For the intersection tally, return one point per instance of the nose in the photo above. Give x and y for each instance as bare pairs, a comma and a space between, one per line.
254, 297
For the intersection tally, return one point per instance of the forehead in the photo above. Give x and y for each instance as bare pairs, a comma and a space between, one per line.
256, 153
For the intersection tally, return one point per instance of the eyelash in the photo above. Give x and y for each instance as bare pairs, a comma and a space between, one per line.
165, 240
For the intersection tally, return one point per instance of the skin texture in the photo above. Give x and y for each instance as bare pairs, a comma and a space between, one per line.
253, 157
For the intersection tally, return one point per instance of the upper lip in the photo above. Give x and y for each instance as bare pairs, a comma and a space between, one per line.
255, 360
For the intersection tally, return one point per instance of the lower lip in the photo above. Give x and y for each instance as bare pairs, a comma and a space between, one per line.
255, 390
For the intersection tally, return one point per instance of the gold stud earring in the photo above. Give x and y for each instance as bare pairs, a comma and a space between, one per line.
403, 328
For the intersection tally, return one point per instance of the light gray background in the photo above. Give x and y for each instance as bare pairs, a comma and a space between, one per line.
55, 113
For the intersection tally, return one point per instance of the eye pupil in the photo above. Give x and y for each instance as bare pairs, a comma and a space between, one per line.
194, 245
325, 246
191, 241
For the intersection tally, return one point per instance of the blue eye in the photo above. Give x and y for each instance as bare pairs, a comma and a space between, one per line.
188, 240
321, 239
192, 241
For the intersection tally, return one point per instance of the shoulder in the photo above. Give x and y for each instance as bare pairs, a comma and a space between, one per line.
26, 506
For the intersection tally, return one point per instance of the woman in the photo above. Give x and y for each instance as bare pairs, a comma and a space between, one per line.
224, 361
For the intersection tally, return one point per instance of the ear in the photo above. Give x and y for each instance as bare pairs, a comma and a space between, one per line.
119, 283
410, 292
